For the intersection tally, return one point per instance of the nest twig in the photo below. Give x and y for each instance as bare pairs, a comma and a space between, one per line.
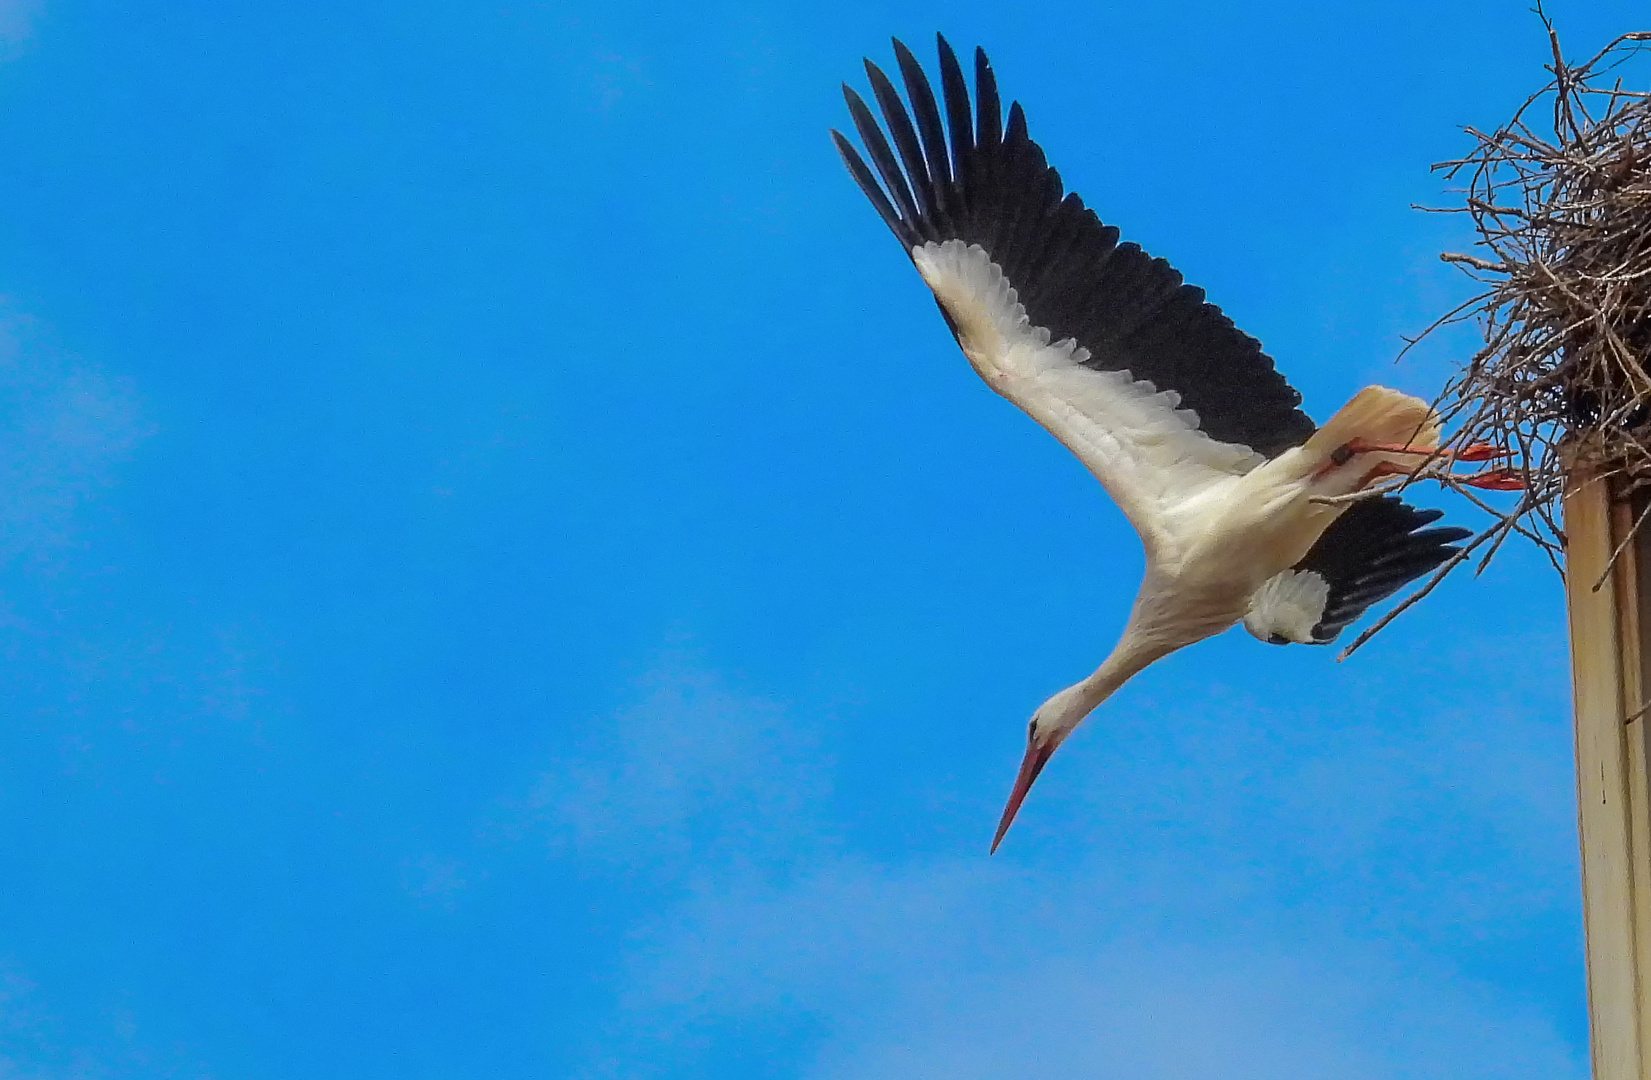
1564, 254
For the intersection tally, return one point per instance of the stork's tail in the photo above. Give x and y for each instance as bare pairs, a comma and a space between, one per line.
1381, 416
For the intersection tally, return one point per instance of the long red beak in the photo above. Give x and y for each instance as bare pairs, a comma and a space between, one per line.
1032, 764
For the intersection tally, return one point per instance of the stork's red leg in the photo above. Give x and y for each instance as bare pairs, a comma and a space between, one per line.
1361, 446
1476, 452
1492, 480
1489, 480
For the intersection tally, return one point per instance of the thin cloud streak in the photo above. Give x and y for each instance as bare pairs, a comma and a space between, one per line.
690, 771
65, 427
1306, 919
16, 23
956, 970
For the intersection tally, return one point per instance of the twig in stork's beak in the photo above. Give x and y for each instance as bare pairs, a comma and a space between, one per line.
1037, 756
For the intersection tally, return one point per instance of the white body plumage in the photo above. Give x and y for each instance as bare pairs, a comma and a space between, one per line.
1180, 415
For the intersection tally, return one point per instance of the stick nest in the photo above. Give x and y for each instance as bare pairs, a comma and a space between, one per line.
1563, 216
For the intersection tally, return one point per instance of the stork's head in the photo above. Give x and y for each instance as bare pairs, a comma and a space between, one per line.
1050, 726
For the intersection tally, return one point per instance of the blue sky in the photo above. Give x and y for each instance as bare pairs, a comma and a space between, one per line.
505, 573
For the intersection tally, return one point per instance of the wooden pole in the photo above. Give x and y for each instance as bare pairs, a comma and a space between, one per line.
1610, 675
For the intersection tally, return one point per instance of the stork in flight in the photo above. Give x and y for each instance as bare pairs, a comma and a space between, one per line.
1247, 511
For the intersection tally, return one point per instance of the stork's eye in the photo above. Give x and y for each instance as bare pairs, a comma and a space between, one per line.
1032, 729
1341, 455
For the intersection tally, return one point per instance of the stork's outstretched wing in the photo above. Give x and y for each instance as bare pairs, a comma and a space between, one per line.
1366, 555
1156, 391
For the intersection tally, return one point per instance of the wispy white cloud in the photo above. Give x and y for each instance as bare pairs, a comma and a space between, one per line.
64, 428
36, 1043
958, 970
20, 1021
434, 880
1156, 1011
16, 21
1275, 895
690, 768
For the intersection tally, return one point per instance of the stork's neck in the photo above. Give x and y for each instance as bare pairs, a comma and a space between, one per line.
1129, 658
1133, 653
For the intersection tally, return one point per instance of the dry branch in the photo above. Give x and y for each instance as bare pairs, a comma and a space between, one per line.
1564, 254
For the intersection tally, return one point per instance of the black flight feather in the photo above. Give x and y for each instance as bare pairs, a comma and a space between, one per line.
927, 115
1375, 548
1131, 311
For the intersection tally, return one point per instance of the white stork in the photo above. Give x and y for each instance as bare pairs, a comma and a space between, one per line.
1247, 512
